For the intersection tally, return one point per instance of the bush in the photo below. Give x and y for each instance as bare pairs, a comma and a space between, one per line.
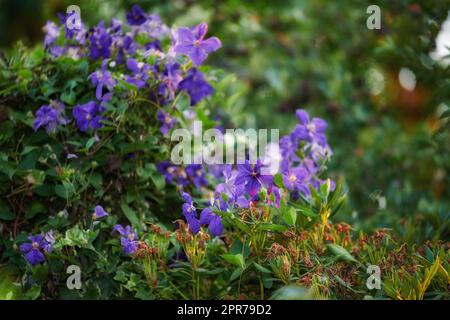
86, 180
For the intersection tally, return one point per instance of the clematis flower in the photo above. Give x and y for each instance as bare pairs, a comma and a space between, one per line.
102, 78
52, 32
167, 122
190, 213
196, 86
309, 130
167, 169
140, 73
137, 16
128, 238
294, 178
50, 116
197, 174
171, 78
250, 176
100, 42
99, 213
88, 116
214, 221
34, 250
191, 42
153, 27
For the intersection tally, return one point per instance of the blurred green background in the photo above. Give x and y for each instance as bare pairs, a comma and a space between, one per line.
385, 93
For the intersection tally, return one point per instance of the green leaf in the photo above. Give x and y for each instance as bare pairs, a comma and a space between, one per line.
272, 227
304, 210
34, 292
130, 214
290, 216
261, 268
6, 168
278, 179
235, 259
5, 212
341, 252
66, 190
35, 208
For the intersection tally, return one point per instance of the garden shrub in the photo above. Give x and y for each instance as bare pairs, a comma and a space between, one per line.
86, 180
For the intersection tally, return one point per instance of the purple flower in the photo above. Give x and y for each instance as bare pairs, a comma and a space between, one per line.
140, 73
101, 42
123, 45
152, 27
294, 178
99, 213
213, 221
309, 130
50, 116
49, 240
115, 26
189, 41
250, 176
170, 80
51, 33
153, 45
33, 250
190, 213
128, 239
215, 226
88, 116
167, 169
197, 174
137, 16
167, 122
102, 78
196, 86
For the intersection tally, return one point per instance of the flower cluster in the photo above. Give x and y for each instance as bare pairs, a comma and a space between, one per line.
184, 176
131, 58
303, 153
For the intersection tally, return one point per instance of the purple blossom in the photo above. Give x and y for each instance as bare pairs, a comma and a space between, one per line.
101, 42
171, 78
52, 32
102, 78
115, 26
191, 42
250, 176
88, 115
153, 45
167, 169
137, 16
140, 73
197, 174
273, 192
123, 45
128, 238
196, 86
214, 221
49, 241
215, 226
190, 213
152, 27
33, 251
294, 178
167, 122
50, 116
99, 213
309, 130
